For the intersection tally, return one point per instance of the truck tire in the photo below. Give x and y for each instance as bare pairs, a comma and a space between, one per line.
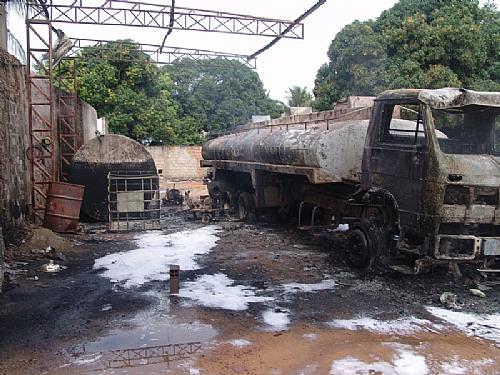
246, 207
366, 245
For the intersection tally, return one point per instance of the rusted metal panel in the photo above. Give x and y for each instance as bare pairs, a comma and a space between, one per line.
62, 212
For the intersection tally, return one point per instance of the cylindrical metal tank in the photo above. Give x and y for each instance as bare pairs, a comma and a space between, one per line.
62, 211
338, 149
95, 159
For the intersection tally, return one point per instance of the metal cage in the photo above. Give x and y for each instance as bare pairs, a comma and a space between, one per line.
133, 201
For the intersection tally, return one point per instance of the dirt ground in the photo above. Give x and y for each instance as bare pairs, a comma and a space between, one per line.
254, 299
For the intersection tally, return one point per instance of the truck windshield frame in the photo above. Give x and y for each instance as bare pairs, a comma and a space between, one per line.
472, 130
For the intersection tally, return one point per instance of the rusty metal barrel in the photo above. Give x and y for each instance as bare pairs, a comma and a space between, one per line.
62, 211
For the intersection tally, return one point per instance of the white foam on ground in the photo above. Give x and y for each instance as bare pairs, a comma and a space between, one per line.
219, 291
277, 320
310, 336
404, 362
480, 325
409, 363
87, 359
240, 343
106, 307
155, 252
308, 288
459, 366
353, 366
398, 326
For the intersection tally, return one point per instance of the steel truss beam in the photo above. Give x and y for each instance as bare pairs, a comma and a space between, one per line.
66, 116
41, 114
169, 54
138, 14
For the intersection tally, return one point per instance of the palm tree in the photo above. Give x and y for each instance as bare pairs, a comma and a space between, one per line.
299, 97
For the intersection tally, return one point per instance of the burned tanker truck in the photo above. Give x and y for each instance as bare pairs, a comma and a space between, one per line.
419, 181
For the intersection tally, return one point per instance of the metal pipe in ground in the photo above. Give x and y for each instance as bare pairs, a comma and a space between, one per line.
175, 273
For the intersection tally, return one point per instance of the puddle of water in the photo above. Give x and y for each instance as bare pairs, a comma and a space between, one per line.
147, 348
155, 252
152, 334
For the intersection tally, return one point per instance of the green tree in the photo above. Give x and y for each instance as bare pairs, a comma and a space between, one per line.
125, 86
219, 93
299, 97
417, 43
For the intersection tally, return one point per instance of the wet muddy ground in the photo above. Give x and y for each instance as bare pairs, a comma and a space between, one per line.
254, 299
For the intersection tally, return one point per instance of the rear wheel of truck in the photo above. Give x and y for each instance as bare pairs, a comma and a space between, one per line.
366, 244
246, 207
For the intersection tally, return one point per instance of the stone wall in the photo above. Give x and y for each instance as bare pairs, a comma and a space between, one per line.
14, 139
178, 163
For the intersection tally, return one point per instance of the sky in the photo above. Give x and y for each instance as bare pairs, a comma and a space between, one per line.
290, 62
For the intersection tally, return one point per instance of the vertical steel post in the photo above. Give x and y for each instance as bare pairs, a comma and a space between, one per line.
40, 88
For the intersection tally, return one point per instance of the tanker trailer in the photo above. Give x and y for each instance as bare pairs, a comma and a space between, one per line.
277, 166
425, 188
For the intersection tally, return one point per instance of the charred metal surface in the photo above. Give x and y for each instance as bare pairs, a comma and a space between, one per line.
96, 159
336, 151
416, 185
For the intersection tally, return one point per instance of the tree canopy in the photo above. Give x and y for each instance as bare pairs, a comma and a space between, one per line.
299, 97
416, 43
171, 104
219, 93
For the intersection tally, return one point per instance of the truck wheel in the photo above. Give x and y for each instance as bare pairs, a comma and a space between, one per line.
366, 244
246, 207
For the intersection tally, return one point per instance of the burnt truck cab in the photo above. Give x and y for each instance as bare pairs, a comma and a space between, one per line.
438, 180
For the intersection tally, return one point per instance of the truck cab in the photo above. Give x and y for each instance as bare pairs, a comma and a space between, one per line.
435, 178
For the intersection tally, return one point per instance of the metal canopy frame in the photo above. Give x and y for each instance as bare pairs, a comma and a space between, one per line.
53, 142
139, 14
169, 54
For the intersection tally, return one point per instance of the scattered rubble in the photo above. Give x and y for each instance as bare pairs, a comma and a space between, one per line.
449, 300
477, 293
44, 240
51, 267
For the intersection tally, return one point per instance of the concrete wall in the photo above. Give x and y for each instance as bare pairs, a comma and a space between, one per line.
14, 140
86, 122
3, 26
178, 163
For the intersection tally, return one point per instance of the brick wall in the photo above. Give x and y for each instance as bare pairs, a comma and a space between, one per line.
14, 140
178, 163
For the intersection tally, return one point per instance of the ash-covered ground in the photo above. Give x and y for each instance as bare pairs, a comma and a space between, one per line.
254, 299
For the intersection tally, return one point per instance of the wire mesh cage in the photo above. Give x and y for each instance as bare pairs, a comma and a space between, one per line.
134, 201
